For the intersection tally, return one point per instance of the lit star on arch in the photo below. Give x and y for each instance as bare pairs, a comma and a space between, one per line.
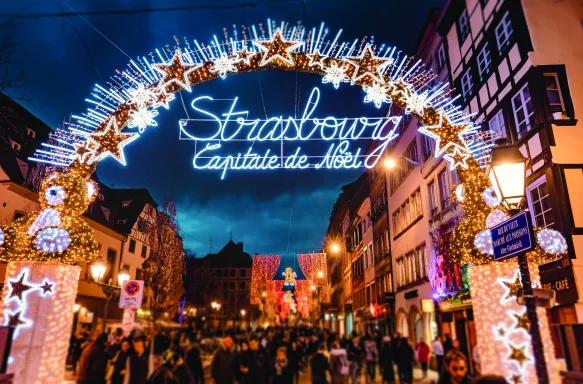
446, 136
512, 287
163, 98
244, 55
316, 59
176, 71
18, 287
84, 150
368, 65
110, 142
457, 158
277, 48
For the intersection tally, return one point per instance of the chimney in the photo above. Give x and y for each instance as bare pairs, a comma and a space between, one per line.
240, 245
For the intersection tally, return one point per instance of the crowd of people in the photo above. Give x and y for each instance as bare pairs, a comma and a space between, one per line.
276, 356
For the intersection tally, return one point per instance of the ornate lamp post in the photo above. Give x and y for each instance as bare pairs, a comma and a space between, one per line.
506, 171
98, 268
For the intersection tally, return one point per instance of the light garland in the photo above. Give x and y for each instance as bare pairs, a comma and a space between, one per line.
224, 65
376, 94
552, 241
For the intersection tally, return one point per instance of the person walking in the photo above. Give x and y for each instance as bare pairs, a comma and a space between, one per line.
422, 350
339, 364
386, 361
447, 344
255, 364
295, 355
93, 362
437, 346
225, 365
282, 369
194, 362
138, 363
355, 356
117, 367
405, 361
371, 355
319, 365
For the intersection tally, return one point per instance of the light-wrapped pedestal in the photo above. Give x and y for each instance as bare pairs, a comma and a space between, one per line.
38, 299
502, 326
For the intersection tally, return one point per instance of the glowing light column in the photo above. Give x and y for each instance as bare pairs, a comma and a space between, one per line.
502, 326
38, 299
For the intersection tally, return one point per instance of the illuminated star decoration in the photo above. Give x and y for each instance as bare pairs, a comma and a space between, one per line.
176, 72
14, 319
368, 65
18, 287
84, 151
277, 48
376, 94
143, 118
457, 158
335, 74
316, 59
416, 102
110, 142
224, 65
244, 55
516, 379
512, 287
163, 98
46, 287
522, 321
445, 136
518, 354
500, 332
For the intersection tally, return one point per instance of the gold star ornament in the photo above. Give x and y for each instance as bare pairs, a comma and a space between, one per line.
516, 379
316, 59
512, 287
367, 65
176, 73
277, 49
457, 158
518, 354
446, 135
522, 321
110, 143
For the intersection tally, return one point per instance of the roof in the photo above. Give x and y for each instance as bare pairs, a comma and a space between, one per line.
136, 199
231, 255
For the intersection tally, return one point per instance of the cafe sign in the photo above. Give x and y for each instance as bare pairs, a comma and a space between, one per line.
562, 281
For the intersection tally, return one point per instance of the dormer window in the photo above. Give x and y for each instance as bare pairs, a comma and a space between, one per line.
121, 221
100, 197
30, 133
126, 203
15, 146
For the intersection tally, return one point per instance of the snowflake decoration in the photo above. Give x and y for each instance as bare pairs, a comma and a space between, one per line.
416, 102
223, 65
142, 118
335, 75
376, 94
141, 96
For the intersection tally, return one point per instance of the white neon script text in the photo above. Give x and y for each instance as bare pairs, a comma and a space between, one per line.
337, 133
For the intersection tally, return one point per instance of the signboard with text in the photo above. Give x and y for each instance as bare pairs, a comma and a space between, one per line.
512, 237
131, 294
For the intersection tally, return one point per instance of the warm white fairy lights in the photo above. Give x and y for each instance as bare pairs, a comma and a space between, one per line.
483, 242
495, 217
490, 197
52, 240
460, 193
48, 217
55, 195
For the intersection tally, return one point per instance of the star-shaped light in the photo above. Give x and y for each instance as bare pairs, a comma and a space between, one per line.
14, 319
500, 333
522, 321
110, 142
224, 65
376, 94
175, 71
512, 287
18, 287
84, 151
457, 158
46, 287
335, 74
244, 55
163, 98
518, 354
277, 48
143, 118
516, 378
316, 59
368, 65
141, 96
446, 135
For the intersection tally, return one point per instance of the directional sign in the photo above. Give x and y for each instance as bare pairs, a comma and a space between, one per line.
131, 294
512, 237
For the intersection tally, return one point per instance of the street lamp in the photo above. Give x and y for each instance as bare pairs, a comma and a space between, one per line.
243, 313
320, 274
335, 248
506, 171
391, 163
123, 275
98, 269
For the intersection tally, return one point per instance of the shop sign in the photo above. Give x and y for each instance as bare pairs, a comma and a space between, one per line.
562, 281
512, 237
411, 294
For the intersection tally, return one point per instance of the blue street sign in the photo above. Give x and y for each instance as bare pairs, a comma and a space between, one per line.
512, 236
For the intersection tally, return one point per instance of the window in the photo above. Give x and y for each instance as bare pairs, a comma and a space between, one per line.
503, 32
142, 224
554, 95
440, 58
496, 125
522, 109
433, 204
411, 267
15, 146
138, 274
427, 147
225, 285
467, 82
232, 285
400, 272
132, 247
30, 133
539, 203
407, 213
149, 209
242, 285
100, 197
144, 251
422, 261
464, 26
219, 273
444, 189
126, 203
484, 61
242, 273
233, 273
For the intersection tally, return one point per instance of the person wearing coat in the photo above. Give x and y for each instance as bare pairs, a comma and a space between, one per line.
118, 364
339, 365
255, 364
194, 362
423, 351
225, 364
92, 365
386, 361
406, 356
320, 365
282, 367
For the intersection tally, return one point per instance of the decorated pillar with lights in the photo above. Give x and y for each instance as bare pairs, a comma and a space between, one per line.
38, 300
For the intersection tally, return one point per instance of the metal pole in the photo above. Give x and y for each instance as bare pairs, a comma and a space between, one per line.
536, 340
